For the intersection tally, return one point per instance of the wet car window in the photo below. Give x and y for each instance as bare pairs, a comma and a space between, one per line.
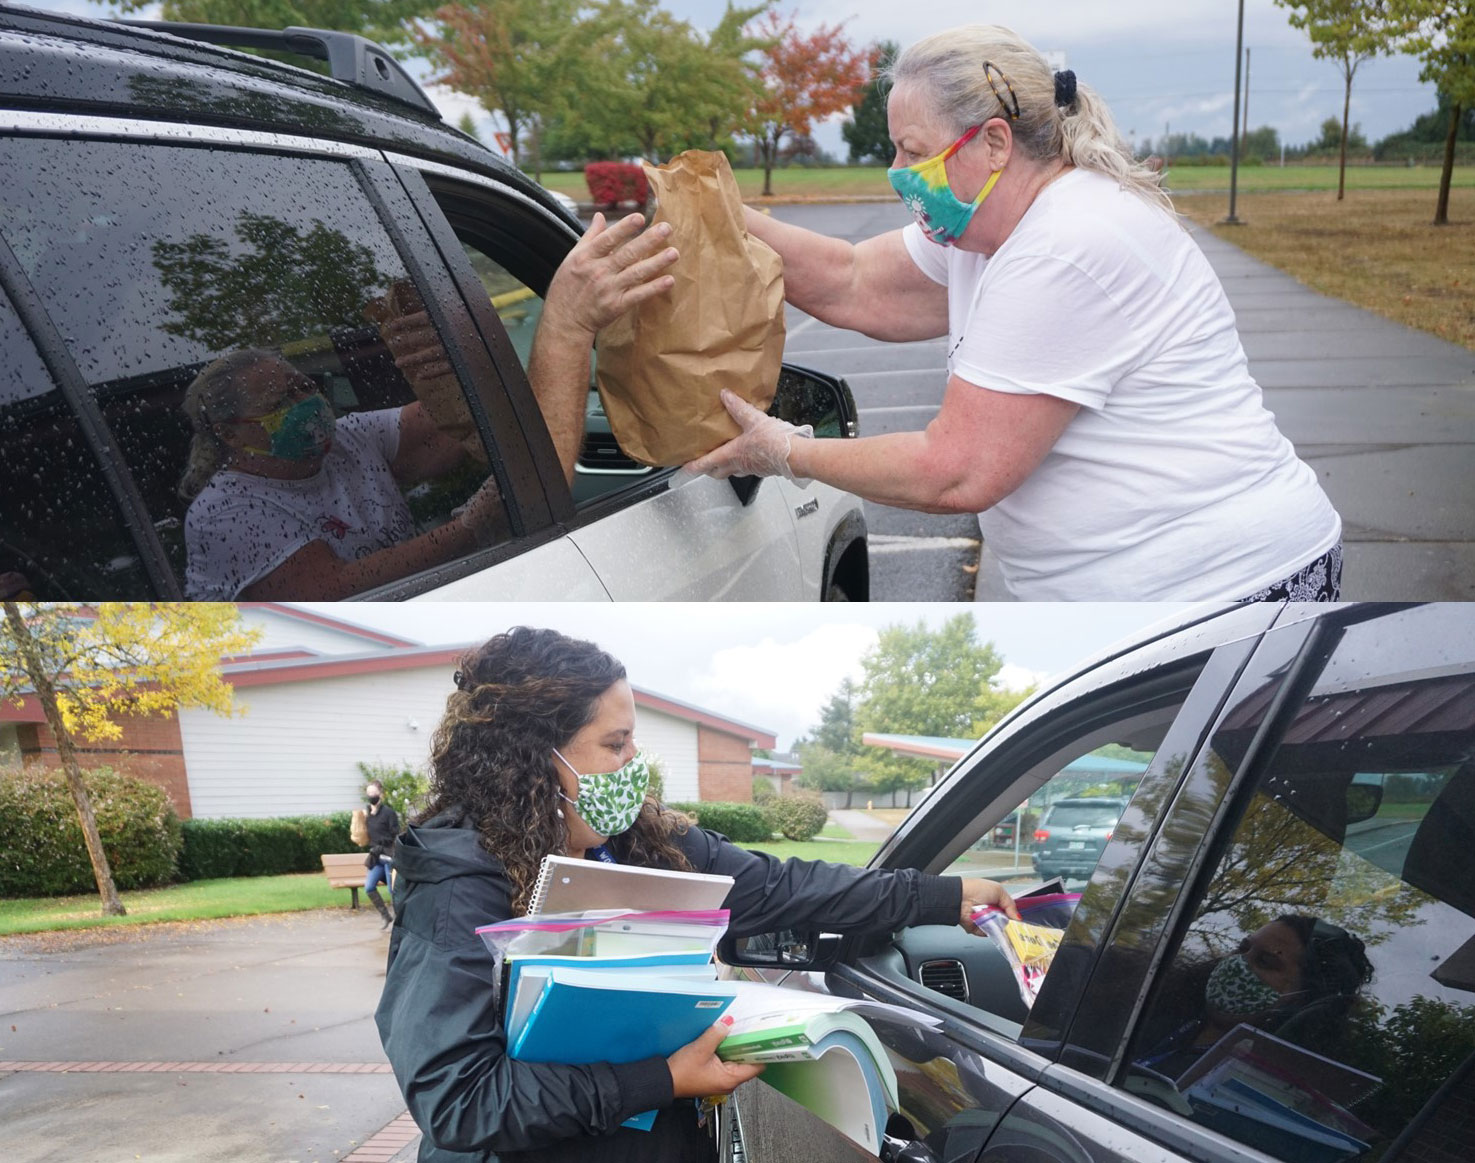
61, 534
1086, 785
514, 252
263, 360
1324, 991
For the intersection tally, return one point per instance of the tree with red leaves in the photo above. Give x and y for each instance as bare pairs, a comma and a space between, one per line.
805, 79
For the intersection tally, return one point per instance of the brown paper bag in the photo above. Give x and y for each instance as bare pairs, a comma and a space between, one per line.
661, 367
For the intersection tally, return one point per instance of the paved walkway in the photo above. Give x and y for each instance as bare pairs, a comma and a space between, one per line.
1383, 413
247, 1041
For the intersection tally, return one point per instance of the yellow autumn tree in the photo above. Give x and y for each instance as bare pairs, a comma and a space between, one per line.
88, 665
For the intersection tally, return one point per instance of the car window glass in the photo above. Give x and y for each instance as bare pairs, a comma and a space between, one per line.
1324, 990
263, 359
61, 534
1060, 830
603, 467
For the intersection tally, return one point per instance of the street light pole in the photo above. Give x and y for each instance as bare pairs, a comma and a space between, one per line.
1239, 53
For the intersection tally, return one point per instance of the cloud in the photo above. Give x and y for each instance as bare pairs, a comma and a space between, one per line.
783, 685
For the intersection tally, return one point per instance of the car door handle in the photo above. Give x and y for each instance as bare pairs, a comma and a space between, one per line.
894, 1150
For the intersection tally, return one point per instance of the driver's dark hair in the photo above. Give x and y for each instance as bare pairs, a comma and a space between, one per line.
1334, 963
518, 696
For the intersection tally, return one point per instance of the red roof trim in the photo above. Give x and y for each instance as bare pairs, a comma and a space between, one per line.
881, 739
755, 735
289, 611
338, 668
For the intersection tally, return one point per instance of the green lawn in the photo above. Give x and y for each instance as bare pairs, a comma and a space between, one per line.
836, 851
197, 901
867, 181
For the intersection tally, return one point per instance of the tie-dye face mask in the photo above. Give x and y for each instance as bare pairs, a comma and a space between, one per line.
924, 189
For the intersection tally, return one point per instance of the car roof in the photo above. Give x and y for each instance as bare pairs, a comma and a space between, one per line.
144, 74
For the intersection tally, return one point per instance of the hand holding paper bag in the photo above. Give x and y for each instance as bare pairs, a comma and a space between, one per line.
760, 450
662, 366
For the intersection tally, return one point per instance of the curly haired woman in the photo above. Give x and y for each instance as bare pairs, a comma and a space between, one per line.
536, 755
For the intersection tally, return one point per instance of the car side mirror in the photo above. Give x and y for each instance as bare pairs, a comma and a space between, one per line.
806, 396
1363, 799
785, 949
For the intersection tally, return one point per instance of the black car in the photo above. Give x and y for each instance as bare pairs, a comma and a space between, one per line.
171, 202
1273, 956
1072, 834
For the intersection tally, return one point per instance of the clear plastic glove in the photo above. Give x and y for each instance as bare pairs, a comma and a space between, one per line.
760, 450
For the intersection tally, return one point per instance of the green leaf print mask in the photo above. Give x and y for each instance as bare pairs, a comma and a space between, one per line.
609, 802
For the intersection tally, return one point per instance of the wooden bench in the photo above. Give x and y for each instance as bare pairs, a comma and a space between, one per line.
345, 870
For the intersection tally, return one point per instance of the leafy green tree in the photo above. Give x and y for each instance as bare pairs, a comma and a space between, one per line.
826, 770
992, 704
655, 81
836, 731
379, 19
1445, 41
1331, 136
1262, 143
1346, 32
278, 283
520, 58
866, 131
921, 682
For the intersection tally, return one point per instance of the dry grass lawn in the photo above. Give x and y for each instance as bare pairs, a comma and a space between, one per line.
1376, 249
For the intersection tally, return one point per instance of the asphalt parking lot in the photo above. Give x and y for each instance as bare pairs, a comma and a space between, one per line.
1384, 413
250, 1041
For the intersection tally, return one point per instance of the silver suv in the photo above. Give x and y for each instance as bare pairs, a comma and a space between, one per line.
170, 201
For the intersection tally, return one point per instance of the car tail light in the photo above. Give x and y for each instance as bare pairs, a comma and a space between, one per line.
1041, 835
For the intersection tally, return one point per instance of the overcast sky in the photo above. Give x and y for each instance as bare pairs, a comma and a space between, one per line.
1158, 63
771, 665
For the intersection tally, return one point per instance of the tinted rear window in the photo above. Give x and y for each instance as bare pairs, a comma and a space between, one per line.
1083, 815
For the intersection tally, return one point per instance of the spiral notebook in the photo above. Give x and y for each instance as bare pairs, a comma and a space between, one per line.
566, 885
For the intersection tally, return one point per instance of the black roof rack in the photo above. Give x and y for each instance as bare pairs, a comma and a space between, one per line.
351, 58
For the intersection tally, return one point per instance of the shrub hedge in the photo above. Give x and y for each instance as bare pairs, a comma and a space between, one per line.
613, 182
797, 816
219, 848
740, 823
48, 857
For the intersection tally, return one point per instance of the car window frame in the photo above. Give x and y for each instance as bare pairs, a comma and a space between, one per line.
47, 341
1202, 657
518, 470
477, 188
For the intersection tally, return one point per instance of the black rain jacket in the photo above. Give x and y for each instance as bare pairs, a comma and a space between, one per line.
438, 1016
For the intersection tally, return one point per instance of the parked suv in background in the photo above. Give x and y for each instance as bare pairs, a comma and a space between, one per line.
1072, 835
1316, 763
168, 201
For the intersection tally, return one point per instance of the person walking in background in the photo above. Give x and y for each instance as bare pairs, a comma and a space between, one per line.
383, 823
1099, 414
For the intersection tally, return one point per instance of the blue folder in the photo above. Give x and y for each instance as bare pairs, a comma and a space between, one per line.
587, 1016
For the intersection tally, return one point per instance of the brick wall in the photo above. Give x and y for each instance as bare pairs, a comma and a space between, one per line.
724, 767
149, 748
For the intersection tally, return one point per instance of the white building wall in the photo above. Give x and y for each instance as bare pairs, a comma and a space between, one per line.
675, 741
280, 632
296, 749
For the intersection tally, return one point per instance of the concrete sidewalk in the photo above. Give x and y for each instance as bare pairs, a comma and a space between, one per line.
1383, 413
248, 1041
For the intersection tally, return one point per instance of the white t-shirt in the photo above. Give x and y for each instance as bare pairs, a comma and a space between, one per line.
1172, 481
241, 527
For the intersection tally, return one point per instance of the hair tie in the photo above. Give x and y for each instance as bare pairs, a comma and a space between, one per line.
460, 680
1065, 88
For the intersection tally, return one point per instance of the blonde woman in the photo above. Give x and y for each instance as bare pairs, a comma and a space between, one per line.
1099, 415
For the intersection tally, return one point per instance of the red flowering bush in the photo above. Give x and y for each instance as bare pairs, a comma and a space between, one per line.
611, 183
